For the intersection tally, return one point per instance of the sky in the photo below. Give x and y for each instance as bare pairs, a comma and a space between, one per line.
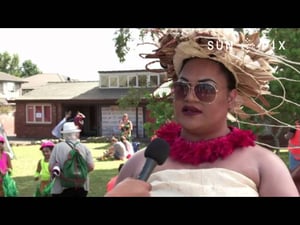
78, 53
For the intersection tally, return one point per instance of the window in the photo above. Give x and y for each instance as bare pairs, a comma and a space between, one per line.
153, 81
132, 81
40, 113
104, 81
10, 86
142, 80
113, 81
122, 81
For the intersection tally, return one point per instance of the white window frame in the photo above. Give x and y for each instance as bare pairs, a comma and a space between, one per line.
37, 115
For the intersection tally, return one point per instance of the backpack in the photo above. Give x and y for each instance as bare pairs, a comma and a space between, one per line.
75, 169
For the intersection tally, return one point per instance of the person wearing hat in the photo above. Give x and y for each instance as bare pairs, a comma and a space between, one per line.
214, 72
42, 172
5, 163
56, 131
60, 154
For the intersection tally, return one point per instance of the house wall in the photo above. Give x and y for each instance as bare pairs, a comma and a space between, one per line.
24, 130
101, 119
111, 115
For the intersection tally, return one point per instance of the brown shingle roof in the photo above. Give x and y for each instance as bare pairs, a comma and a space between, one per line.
8, 77
79, 90
42, 79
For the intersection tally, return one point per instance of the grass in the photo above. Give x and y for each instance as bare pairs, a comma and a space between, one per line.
27, 157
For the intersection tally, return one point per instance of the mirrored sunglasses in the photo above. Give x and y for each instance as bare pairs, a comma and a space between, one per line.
204, 91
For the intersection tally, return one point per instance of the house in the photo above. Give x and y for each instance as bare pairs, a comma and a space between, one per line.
10, 88
39, 80
39, 110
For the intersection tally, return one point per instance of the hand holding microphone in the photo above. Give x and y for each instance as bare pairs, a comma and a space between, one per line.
156, 154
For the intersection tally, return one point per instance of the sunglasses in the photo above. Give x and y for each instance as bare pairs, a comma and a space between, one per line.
205, 92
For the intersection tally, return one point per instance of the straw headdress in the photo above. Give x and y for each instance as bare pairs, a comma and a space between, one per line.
248, 58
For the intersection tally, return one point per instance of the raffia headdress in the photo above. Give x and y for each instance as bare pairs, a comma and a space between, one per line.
248, 58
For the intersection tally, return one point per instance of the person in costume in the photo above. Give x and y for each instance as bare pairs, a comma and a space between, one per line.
42, 172
5, 164
207, 156
60, 155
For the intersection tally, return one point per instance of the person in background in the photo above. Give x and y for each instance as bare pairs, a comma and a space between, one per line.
42, 172
117, 151
128, 146
79, 121
5, 164
60, 154
56, 131
209, 157
293, 137
125, 127
111, 183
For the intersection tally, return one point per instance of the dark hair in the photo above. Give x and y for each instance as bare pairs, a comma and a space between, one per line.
231, 82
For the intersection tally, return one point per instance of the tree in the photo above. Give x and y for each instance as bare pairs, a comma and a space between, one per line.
122, 37
10, 64
285, 42
160, 108
29, 69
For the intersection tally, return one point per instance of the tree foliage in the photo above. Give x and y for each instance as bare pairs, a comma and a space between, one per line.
122, 39
133, 98
286, 42
29, 69
161, 110
10, 64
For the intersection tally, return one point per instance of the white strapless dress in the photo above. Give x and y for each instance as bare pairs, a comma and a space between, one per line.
201, 182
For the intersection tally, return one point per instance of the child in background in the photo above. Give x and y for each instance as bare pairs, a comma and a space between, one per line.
5, 164
111, 183
42, 171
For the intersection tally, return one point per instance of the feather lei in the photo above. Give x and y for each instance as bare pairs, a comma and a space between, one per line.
194, 153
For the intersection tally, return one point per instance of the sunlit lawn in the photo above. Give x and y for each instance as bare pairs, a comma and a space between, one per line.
27, 157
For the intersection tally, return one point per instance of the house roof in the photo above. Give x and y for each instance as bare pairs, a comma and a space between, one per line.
8, 77
42, 79
79, 90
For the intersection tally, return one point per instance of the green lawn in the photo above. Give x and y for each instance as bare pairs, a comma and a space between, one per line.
27, 157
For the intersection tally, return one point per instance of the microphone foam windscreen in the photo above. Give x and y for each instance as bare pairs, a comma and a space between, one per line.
158, 150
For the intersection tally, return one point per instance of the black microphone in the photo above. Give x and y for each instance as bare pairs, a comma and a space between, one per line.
156, 154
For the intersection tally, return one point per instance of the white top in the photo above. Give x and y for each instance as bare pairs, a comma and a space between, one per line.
201, 182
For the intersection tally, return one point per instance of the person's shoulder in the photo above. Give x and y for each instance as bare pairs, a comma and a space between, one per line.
265, 155
259, 149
